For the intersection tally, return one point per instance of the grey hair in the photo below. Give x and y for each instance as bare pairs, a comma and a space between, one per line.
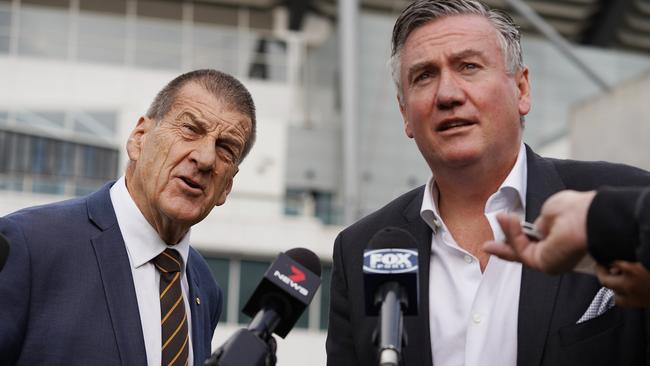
421, 12
223, 86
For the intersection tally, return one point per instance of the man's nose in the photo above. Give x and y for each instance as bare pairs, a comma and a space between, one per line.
204, 154
449, 94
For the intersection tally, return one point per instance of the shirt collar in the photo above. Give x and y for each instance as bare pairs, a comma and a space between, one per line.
510, 195
142, 241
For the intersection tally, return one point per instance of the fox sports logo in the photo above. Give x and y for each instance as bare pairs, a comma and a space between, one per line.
390, 260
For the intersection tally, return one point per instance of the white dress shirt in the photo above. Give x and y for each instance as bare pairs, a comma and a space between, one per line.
142, 245
473, 315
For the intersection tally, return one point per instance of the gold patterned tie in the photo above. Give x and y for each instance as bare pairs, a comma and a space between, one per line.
173, 318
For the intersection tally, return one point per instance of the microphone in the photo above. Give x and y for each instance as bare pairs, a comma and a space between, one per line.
4, 251
287, 288
390, 281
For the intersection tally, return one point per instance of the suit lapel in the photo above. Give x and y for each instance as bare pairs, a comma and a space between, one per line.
115, 272
538, 290
198, 316
417, 329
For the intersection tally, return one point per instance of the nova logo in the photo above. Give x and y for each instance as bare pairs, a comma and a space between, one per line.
289, 280
390, 260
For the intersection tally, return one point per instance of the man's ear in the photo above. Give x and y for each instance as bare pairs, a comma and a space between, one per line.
137, 137
408, 129
227, 189
523, 86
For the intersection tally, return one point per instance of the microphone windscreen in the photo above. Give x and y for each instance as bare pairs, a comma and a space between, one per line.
306, 258
4, 251
391, 257
392, 237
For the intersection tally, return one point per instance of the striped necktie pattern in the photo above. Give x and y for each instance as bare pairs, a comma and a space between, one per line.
173, 318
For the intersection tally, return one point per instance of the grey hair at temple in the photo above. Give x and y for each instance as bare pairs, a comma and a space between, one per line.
421, 12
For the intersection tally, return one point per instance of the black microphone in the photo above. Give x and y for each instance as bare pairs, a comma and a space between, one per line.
390, 281
4, 251
287, 288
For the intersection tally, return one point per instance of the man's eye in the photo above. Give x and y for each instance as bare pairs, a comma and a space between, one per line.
190, 129
470, 66
228, 151
421, 77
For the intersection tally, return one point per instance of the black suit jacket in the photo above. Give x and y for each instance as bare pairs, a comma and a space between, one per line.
549, 306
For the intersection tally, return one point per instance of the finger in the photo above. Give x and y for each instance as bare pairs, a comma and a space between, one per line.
501, 250
633, 268
614, 282
524, 250
514, 236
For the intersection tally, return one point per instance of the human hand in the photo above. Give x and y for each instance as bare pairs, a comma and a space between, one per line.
562, 222
630, 282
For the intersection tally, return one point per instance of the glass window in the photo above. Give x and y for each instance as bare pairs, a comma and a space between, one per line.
158, 43
220, 268
250, 274
52, 164
303, 321
5, 26
325, 297
101, 37
42, 119
43, 29
216, 47
96, 123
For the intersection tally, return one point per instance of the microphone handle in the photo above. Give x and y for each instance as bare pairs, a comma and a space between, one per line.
391, 325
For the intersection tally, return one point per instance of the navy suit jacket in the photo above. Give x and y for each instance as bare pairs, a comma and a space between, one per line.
549, 306
67, 295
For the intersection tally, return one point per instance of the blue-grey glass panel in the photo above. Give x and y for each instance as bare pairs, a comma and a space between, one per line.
11, 183
220, 268
45, 119
251, 272
325, 297
96, 123
217, 47
41, 185
102, 38
158, 43
4, 44
43, 32
303, 321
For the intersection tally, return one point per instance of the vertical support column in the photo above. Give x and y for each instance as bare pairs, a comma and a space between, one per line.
348, 16
187, 53
130, 45
73, 30
15, 28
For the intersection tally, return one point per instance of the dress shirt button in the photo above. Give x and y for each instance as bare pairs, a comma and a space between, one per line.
468, 259
476, 318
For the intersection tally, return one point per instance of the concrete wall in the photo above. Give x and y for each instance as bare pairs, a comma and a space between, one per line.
614, 126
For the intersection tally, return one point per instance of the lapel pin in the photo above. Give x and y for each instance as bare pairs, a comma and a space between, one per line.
198, 301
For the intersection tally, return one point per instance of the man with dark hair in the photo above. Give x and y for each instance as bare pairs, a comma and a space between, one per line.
463, 90
110, 279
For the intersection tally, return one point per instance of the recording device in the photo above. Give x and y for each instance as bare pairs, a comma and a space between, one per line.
390, 281
287, 288
4, 251
531, 231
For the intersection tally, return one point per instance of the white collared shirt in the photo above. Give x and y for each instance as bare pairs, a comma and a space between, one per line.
142, 245
473, 315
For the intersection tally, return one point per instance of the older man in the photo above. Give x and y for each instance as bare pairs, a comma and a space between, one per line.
463, 90
110, 279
